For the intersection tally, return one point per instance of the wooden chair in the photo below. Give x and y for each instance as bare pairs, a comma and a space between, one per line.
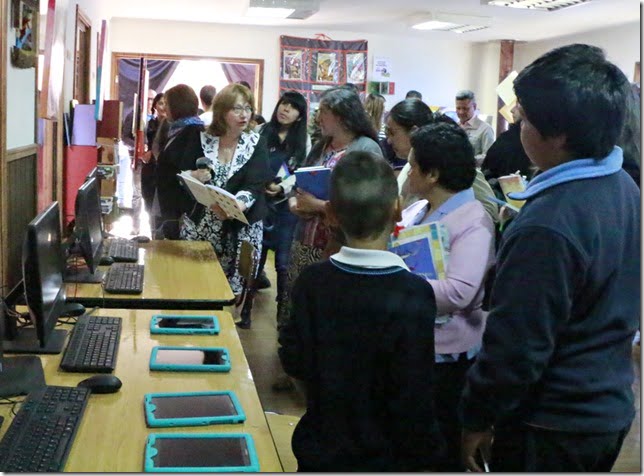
248, 259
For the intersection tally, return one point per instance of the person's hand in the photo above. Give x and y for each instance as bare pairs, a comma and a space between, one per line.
295, 210
242, 206
146, 157
203, 175
219, 212
273, 189
308, 203
472, 442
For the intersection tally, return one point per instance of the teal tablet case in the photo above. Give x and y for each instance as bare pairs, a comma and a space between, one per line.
154, 422
151, 452
155, 329
225, 367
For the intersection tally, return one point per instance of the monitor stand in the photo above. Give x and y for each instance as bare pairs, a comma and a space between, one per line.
26, 342
75, 274
21, 375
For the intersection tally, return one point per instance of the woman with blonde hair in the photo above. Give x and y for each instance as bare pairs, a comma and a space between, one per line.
237, 162
374, 104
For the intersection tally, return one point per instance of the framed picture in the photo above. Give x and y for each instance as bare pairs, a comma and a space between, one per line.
327, 68
24, 19
292, 67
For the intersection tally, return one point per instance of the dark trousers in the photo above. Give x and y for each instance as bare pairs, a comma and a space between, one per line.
523, 448
279, 226
449, 381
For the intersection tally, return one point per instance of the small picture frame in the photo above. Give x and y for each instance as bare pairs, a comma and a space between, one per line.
24, 19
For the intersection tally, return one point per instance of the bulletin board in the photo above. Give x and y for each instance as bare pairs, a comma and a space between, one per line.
313, 65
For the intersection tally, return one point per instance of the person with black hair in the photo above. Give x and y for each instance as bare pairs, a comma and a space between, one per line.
413, 94
554, 376
403, 119
206, 96
150, 158
361, 338
288, 144
442, 173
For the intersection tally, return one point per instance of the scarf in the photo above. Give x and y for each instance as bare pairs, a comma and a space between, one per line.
177, 126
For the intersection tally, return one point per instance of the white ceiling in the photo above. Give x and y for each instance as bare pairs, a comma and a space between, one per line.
393, 16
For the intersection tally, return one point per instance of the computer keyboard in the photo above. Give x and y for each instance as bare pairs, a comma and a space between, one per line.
42, 433
93, 345
121, 250
124, 278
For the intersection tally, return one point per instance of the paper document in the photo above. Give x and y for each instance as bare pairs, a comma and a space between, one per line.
424, 249
512, 183
505, 89
209, 195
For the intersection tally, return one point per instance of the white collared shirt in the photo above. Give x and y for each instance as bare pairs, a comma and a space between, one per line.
372, 259
481, 136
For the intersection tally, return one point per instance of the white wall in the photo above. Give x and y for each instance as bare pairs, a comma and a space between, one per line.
436, 68
21, 99
484, 76
621, 44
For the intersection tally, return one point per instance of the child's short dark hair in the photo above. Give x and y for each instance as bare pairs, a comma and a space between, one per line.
363, 193
575, 91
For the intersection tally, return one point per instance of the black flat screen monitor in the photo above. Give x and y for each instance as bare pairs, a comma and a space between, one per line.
42, 270
88, 223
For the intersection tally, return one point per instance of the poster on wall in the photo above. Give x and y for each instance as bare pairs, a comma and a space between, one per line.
327, 68
355, 68
292, 65
313, 65
381, 69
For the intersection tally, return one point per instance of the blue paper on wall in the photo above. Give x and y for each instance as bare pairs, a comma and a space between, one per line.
314, 180
84, 125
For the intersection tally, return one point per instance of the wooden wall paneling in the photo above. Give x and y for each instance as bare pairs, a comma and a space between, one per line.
3, 147
21, 209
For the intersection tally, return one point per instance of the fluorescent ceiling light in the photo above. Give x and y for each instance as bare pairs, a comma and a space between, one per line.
294, 9
450, 22
545, 5
269, 12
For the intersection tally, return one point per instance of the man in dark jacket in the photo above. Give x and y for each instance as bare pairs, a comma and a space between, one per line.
554, 374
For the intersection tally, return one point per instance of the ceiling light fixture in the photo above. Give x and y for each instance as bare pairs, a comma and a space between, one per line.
545, 5
293, 9
450, 22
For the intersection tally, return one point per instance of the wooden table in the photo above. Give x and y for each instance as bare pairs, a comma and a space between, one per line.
112, 433
178, 275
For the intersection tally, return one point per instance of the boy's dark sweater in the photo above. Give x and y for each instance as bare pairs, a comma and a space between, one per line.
565, 305
363, 342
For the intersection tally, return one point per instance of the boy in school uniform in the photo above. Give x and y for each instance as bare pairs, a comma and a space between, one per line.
361, 338
555, 371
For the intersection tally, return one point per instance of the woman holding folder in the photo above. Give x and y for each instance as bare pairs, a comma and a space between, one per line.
237, 161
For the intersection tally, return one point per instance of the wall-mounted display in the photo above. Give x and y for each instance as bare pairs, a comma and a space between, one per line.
313, 65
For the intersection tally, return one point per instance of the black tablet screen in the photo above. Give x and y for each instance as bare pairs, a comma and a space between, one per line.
187, 323
190, 357
193, 406
201, 452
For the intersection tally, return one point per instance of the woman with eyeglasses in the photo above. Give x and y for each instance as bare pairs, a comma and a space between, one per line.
237, 161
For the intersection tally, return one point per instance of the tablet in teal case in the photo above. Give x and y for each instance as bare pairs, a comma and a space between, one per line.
200, 453
192, 409
184, 324
190, 359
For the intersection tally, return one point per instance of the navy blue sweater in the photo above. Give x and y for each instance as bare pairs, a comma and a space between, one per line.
564, 307
363, 342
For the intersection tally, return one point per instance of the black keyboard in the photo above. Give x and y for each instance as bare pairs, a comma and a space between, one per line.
122, 250
93, 345
124, 278
41, 434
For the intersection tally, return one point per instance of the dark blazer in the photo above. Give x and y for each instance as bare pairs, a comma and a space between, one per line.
180, 154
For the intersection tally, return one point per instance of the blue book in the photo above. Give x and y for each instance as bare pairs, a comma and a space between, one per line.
314, 180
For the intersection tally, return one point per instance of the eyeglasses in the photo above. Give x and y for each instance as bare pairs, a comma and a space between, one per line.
239, 110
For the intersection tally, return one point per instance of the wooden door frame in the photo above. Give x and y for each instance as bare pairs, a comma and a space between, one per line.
82, 19
116, 56
3, 146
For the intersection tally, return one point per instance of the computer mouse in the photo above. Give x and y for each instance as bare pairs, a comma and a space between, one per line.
106, 261
101, 383
140, 239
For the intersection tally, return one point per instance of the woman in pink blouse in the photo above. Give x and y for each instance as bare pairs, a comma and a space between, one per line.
442, 173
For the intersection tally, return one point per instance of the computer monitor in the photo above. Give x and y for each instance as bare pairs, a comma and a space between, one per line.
89, 234
44, 290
